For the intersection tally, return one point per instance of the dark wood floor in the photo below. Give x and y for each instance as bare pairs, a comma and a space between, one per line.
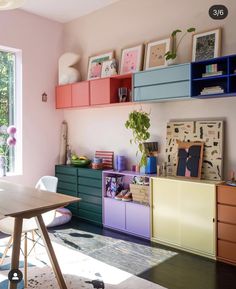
181, 271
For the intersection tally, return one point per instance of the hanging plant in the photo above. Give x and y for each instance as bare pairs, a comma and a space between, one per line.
139, 123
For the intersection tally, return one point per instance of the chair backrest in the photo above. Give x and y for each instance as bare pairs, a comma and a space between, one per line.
47, 183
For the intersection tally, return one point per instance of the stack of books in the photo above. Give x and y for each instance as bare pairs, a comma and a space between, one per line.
212, 70
212, 90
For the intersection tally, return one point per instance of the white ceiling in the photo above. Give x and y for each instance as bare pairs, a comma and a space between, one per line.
64, 10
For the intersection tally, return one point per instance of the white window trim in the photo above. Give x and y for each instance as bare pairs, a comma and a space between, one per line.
17, 110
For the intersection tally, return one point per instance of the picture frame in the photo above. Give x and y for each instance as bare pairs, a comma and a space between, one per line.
206, 45
131, 59
95, 64
155, 53
109, 68
189, 159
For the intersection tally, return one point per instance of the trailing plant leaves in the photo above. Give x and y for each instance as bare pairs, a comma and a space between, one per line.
139, 123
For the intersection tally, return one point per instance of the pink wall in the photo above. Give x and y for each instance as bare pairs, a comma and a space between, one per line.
41, 43
136, 21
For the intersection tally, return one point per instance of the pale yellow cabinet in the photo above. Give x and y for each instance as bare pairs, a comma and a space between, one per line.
183, 214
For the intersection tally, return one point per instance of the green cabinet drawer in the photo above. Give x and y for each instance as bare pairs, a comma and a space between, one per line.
66, 178
163, 91
90, 207
90, 182
167, 74
67, 186
91, 216
89, 173
66, 170
67, 192
90, 199
90, 190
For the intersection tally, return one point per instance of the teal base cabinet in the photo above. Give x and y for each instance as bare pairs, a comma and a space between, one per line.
83, 183
168, 83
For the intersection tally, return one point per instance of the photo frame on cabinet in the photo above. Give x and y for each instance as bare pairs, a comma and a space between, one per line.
155, 53
109, 68
206, 45
95, 64
131, 59
189, 159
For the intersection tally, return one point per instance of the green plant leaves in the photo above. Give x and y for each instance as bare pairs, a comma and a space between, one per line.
139, 123
191, 29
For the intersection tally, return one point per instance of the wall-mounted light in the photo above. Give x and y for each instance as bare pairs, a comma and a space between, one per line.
44, 97
11, 4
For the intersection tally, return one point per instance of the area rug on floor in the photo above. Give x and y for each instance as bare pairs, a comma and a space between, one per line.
77, 268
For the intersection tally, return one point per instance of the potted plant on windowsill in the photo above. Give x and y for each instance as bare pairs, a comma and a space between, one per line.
171, 55
139, 123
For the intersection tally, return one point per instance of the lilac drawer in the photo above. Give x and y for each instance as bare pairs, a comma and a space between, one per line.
114, 213
138, 219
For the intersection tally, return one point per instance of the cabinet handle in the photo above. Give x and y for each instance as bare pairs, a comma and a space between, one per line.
213, 220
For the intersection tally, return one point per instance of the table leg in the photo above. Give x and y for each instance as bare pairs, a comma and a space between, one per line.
16, 248
50, 251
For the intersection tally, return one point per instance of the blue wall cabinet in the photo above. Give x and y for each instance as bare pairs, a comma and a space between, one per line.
171, 82
220, 81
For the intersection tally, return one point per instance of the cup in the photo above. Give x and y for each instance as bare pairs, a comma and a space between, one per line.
123, 94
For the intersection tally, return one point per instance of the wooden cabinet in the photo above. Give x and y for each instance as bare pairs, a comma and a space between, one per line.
86, 184
80, 94
63, 96
226, 223
167, 83
183, 214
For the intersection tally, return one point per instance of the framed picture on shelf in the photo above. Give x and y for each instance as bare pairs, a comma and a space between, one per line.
206, 45
131, 59
189, 159
95, 64
109, 68
155, 53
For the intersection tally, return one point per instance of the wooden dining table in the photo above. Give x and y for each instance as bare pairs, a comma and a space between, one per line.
21, 202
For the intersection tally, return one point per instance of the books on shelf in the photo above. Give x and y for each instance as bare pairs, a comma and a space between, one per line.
212, 90
216, 73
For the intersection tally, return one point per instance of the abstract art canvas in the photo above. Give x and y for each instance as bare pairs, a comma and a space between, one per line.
210, 132
131, 59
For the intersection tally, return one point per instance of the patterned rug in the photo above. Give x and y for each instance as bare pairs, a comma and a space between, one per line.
76, 267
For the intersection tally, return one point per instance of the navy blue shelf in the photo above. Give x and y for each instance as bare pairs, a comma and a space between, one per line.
226, 81
210, 77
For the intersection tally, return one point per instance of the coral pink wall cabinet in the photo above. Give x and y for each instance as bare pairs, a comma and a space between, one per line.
80, 94
63, 96
105, 91
102, 91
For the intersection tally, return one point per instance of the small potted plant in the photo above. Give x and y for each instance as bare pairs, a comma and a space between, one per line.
139, 123
171, 55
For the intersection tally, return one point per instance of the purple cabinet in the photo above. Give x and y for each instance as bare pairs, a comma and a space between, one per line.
127, 217
114, 213
138, 219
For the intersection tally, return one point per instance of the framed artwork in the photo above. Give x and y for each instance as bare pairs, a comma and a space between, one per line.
109, 68
95, 64
131, 59
155, 53
206, 45
189, 159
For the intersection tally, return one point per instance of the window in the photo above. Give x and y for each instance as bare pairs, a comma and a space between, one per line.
10, 106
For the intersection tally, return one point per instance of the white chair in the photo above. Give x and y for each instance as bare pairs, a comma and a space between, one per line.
46, 183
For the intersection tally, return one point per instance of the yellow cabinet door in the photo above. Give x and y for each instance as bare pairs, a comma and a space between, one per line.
165, 211
198, 217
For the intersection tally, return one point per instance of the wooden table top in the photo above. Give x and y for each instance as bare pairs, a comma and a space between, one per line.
26, 202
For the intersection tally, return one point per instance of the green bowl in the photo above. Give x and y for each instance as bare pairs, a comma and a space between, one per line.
80, 163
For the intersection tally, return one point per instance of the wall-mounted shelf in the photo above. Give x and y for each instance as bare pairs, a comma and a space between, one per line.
93, 93
226, 81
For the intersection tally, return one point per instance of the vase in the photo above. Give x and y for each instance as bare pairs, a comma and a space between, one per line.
2, 166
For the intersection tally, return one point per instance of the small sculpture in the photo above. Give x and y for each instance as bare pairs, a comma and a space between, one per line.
67, 73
